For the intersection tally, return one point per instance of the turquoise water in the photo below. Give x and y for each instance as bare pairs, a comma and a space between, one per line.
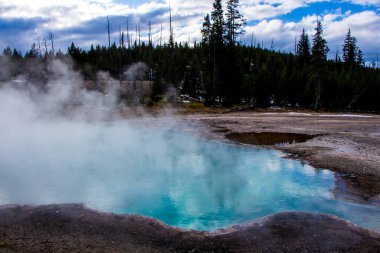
176, 177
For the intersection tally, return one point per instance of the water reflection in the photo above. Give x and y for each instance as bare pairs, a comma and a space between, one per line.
269, 138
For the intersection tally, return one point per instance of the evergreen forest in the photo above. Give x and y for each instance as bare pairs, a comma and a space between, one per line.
219, 70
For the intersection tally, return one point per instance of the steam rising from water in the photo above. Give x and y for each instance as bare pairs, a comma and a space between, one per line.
61, 143
55, 125
61, 94
52, 125
56, 136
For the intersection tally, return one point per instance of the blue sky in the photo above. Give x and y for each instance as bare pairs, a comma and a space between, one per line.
24, 22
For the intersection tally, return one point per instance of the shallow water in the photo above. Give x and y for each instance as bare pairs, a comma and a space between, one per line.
173, 176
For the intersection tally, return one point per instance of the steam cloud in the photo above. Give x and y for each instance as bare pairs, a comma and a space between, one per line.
62, 143
51, 123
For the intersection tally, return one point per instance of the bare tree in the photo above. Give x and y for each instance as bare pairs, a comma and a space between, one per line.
128, 36
109, 32
39, 46
136, 34
171, 38
51, 39
121, 37
161, 35
150, 35
45, 44
139, 32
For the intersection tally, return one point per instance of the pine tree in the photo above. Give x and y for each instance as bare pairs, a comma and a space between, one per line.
303, 48
8, 51
349, 49
235, 22
32, 53
171, 36
206, 31
16, 54
320, 49
207, 63
359, 58
318, 59
217, 28
217, 45
352, 55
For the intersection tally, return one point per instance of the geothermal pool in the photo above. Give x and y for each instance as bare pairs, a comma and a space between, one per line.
162, 172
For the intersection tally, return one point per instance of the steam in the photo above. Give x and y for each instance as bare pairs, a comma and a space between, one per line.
135, 87
62, 93
136, 72
54, 124
62, 142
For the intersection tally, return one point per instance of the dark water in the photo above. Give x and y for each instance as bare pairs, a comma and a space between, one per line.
179, 178
269, 138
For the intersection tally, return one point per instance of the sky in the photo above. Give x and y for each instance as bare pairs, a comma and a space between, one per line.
23, 22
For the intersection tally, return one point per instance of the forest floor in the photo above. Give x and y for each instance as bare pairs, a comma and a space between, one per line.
346, 143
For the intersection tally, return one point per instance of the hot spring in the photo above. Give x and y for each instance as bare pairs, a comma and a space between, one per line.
148, 167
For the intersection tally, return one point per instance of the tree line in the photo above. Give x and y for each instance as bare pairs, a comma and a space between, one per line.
219, 70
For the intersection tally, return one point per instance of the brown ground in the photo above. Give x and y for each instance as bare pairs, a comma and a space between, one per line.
73, 228
350, 145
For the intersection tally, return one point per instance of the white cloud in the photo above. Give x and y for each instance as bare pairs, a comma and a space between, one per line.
282, 34
64, 14
60, 16
70, 13
366, 2
258, 10
365, 26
